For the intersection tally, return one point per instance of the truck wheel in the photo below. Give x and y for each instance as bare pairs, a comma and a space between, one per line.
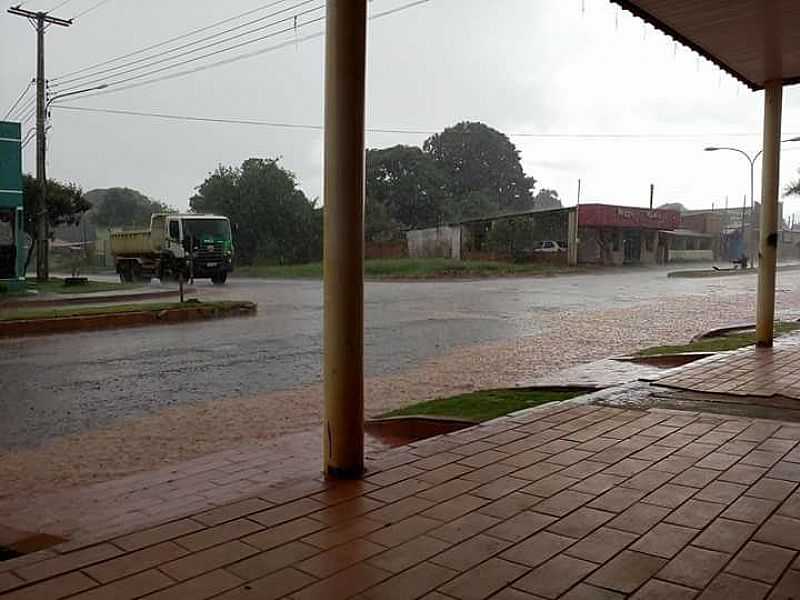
219, 278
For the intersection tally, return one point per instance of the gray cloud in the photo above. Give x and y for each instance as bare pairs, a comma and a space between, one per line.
519, 65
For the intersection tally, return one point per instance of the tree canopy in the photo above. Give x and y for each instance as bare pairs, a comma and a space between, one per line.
275, 220
546, 199
793, 189
408, 184
477, 158
468, 170
673, 206
66, 204
123, 207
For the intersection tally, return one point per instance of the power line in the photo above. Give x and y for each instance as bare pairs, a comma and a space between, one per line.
314, 127
168, 41
23, 109
59, 5
160, 58
204, 56
90, 9
28, 137
19, 99
296, 41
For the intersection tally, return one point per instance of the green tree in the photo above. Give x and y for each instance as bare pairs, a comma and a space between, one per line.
66, 204
793, 189
477, 158
123, 207
673, 206
546, 199
408, 185
276, 221
378, 225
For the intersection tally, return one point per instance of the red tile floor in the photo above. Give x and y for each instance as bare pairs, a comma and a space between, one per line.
571, 501
746, 372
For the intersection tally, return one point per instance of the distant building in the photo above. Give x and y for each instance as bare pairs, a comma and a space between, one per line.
601, 234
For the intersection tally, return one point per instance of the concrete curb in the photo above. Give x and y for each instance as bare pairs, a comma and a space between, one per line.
712, 273
89, 299
29, 327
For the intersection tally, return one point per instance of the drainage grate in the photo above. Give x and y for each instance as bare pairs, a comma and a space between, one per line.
19, 543
8, 554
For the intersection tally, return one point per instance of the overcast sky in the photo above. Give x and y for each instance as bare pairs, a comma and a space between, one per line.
552, 67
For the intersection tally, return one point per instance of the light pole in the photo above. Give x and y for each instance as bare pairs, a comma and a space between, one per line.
751, 245
65, 94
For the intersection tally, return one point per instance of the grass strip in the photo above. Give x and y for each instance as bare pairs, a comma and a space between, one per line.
410, 268
719, 344
485, 405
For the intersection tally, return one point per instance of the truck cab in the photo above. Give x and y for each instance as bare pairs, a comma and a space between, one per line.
207, 244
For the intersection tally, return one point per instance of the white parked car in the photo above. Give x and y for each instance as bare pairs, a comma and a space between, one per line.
548, 246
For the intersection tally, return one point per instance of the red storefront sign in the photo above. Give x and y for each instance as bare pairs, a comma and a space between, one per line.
605, 215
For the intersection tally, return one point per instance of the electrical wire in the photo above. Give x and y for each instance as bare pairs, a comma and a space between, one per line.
59, 5
295, 41
19, 99
314, 127
28, 137
28, 116
167, 41
160, 58
215, 64
90, 9
23, 109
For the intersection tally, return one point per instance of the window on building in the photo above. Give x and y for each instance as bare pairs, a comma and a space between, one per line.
6, 228
615, 241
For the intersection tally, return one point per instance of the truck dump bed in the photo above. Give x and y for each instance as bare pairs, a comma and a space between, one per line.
133, 243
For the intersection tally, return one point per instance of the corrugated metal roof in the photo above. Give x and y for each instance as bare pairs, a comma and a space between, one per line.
688, 233
756, 41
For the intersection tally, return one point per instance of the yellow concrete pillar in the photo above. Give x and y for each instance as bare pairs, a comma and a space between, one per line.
345, 93
768, 230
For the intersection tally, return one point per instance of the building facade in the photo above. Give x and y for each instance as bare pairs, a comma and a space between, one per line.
12, 255
600, 234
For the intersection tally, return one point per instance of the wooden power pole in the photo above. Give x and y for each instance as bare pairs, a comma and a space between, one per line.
42, 223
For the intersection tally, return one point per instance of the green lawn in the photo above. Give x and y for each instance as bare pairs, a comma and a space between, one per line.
408, 268
56, 286
485, 405
52, 313
718, 344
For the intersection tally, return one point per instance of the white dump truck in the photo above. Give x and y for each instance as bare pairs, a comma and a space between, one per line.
197, 246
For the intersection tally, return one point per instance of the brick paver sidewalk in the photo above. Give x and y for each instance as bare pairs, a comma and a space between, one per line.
569, 501
746, 372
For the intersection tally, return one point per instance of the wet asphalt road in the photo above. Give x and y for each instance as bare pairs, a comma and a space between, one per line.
55, 385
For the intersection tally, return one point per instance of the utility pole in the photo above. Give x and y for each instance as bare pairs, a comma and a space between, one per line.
42, 223
652, 189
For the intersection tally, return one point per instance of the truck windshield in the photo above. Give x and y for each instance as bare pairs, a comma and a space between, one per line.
206, 229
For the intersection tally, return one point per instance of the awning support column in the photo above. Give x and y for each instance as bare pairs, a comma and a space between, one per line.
768, 243
345, 93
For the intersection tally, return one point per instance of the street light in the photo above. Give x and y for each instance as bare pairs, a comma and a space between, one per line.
752, 160
65, 94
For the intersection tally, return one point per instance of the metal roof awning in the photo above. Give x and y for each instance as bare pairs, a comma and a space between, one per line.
687, 233
756, 41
